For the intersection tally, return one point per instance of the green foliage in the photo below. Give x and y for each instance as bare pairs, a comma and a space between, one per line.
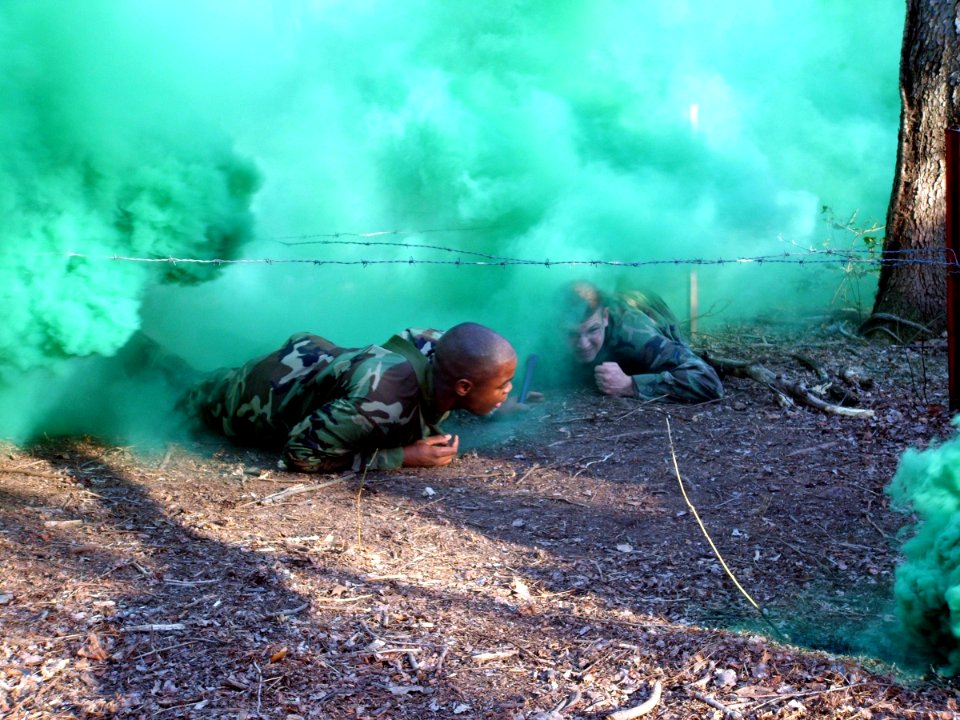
859, 247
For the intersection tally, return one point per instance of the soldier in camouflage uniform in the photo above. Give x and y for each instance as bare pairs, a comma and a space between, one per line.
331, 408
629, 344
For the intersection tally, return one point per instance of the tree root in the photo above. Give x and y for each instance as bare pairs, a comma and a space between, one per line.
894, 326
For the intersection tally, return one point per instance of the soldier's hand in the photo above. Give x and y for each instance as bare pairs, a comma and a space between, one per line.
432, 451
612, 380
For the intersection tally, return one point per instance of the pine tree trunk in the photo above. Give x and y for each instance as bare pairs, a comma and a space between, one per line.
930, 96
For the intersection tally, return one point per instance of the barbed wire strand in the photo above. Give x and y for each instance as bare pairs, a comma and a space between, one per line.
939, 256
897, 260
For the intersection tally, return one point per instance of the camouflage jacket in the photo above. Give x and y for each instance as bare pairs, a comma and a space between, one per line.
643, 338
329, 408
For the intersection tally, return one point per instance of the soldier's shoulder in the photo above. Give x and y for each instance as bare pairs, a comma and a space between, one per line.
424, 339
645, 302
393, 373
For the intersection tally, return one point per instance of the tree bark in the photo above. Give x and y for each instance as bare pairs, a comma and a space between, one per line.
913, 277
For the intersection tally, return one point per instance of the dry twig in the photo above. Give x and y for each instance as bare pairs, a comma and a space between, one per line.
295, 490
496, 655
717, 705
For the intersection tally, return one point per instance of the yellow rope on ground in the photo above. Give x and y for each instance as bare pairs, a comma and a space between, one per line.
703, 529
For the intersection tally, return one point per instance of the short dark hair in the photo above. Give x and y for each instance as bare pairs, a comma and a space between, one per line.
472, 351
579, 300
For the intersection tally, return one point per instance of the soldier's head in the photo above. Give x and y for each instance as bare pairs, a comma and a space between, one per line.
584, 320
474, 369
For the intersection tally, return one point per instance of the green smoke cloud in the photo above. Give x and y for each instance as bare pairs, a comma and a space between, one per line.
609, 130
927, 582
99, 163
101, 159
561, 131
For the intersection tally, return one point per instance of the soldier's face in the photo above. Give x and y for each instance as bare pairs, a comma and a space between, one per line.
585, 339
485, 397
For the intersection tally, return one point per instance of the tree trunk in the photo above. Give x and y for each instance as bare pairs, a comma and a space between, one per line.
913, 277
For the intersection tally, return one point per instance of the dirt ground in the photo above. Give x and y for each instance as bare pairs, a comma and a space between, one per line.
554, 571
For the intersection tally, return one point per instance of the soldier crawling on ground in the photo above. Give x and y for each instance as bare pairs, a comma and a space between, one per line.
331, 408
629, 344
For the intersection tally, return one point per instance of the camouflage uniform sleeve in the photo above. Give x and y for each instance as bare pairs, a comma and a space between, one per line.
692, 380
661, 364
368, 428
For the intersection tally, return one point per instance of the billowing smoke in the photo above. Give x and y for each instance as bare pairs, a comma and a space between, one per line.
607, 131
98, 162
927, 586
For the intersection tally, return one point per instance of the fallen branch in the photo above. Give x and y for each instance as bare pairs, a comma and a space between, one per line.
642, 709
788, 391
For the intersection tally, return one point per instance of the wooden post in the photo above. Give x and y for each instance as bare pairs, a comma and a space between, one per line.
694, 303
953, 268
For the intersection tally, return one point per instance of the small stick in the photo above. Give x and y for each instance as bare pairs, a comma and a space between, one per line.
411, 658
642, 709
156, 651
154, 628
62, 523
803, 451
714, 703
355, 598
358, 515
387, 651
533, 468
259, 686
807, 693
443, 656
166, 458
878, 528
290, 491
497, 655
289, 612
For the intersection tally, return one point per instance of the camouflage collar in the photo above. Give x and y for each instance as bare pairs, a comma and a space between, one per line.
424, 372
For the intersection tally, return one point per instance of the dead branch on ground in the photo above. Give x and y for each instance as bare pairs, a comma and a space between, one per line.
789, 393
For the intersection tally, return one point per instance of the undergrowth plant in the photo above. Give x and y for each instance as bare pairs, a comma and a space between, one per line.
860, 247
